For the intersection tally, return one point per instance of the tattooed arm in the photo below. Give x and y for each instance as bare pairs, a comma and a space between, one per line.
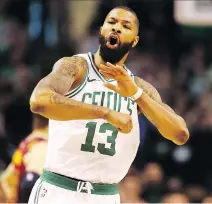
48, 96
49, 101
169, 124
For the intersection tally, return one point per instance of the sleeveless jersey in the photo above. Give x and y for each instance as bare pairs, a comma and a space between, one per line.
93, 150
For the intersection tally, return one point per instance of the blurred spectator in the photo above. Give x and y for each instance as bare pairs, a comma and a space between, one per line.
152, 174
152, 180
27, 163
207, 199
130, 189
174, 184
4, 152
195, 193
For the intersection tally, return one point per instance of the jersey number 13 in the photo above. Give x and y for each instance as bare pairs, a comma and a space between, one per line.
111, 139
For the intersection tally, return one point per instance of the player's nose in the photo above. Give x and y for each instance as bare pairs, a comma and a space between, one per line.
116, 29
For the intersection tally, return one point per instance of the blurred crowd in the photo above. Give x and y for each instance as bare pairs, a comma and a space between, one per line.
175, 59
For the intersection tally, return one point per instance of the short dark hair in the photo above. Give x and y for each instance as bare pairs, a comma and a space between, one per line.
131, 11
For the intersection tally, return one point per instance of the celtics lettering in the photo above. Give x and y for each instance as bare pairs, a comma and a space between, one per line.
110, 100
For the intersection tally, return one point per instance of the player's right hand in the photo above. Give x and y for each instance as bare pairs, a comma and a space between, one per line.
122, 121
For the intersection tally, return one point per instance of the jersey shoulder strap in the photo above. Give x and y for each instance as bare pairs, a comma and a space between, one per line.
83, 55
129, 72
76, 90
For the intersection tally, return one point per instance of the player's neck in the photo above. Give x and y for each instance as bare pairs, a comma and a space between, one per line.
98, 60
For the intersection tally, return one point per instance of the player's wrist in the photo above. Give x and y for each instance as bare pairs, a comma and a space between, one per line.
137, 94
105, 113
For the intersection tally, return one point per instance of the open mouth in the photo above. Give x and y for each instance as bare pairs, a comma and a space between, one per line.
113, 41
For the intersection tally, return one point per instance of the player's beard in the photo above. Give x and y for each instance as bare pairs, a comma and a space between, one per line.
113, 55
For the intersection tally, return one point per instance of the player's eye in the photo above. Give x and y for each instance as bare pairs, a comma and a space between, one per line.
127, 27
111, 22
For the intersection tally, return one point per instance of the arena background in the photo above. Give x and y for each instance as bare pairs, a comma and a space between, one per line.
174, 54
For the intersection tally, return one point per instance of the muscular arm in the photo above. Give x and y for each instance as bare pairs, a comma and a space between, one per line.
48, 97
169, 124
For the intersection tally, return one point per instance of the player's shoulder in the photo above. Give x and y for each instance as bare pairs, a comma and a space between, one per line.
71, 62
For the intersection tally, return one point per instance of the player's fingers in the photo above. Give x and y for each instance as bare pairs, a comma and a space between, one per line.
121, 70
127, 128
108, 69
111, 86
121, 130
130, 126
113, 67
124, 130
118, 68
105, 67
107, 74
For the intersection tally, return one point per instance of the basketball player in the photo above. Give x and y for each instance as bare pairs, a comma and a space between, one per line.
27, 163
92, 102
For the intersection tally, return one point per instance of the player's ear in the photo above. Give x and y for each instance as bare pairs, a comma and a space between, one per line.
135, 42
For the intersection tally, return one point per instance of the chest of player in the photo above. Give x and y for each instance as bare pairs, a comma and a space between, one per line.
95, 93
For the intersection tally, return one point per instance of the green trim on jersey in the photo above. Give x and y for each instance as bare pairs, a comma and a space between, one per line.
100, 75
94, 67
71, 184
134, 78
96, 70
38, 192
129, 72
80, 87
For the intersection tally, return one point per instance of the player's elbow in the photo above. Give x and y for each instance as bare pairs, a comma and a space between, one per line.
38, 102
36, 107
181, 136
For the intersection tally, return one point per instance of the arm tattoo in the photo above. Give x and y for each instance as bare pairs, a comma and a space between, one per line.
59, 99
60, 80
70, 66
148, 89
64, 73
151, 92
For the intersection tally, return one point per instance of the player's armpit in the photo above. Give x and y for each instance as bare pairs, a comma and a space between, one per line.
168, 123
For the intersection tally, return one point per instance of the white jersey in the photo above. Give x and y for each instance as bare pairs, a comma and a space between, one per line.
93, 150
